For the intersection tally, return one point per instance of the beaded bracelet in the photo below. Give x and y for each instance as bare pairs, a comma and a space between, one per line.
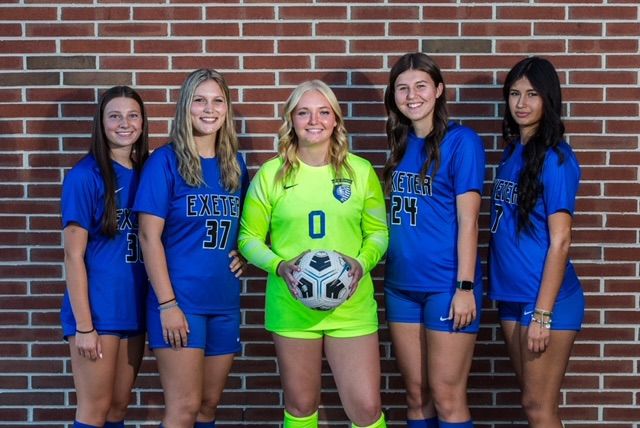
542, 312
86, 332
544, 324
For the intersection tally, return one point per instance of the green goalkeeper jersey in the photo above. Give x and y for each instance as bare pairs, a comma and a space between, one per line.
313, 209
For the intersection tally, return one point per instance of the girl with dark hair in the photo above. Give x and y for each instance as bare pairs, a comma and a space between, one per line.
189, 201
433, 280
102, 312
540, 299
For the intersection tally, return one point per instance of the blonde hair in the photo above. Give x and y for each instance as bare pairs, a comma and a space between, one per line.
288, 140
226, 145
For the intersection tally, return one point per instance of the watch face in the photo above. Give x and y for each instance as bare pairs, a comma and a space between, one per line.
465, 285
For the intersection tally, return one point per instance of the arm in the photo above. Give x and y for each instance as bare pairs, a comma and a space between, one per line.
554, 268
174, 323
75, 245
254, 227
375, 231
463, 306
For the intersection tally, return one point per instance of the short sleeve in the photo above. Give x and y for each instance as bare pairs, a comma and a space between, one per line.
80, 196
156, 184
560, 180
468, 163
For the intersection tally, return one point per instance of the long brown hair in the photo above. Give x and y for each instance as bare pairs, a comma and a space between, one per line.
398, 125
102, 154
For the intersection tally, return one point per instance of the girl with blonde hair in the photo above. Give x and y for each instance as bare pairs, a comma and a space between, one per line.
317, 195
189, 207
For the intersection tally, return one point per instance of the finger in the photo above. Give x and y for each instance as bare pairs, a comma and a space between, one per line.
183, 338
99, 348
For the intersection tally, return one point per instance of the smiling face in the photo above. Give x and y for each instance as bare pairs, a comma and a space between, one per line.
526, 107
415, 95
314, 120
208, 109
122, 121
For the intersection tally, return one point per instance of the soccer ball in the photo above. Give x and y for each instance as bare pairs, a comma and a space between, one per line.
324, 281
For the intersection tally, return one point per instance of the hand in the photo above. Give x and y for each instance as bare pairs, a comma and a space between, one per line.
463, 309
286, 269
175, 328
89, 345
538, 337
238, 263
355, 272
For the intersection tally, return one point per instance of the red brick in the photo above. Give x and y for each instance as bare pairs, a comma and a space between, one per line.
443, 29
179, 13
28, 13
95, 46
568, 29
167, 46
95, 13
604, 12
218, 62
248, 12
139, 29
457, 12
311, 46
240, 46
278, 29
59, 30
502, 29
603, 45
529, 13
528, 46
318, 12
193, 29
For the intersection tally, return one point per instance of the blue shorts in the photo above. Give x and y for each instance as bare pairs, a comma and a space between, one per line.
122, 334
216, 334
568, 313
429, 308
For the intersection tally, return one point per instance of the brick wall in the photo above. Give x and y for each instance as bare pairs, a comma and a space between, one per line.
55, 56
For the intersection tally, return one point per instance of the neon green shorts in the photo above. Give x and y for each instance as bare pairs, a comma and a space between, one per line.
347, 332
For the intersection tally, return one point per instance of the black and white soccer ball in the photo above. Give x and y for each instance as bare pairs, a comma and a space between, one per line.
323, 281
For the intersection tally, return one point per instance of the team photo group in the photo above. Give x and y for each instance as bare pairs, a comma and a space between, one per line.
156, 244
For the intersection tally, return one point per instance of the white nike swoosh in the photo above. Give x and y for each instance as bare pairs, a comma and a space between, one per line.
527, 313
445, 319
117, 190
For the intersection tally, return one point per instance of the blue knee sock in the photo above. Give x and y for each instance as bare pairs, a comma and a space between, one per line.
77, 424
423, 423
114, 424
211, 424
467, 424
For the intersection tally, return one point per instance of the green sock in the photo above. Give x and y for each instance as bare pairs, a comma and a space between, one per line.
291, 421
380, 423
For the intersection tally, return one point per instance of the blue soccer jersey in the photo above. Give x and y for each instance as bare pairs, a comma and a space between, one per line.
516, 259
200, 229
117, 281
423, 252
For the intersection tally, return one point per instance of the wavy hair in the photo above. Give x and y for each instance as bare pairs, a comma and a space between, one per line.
226, 144
102, 153
288, 140
398, 125
548, 134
